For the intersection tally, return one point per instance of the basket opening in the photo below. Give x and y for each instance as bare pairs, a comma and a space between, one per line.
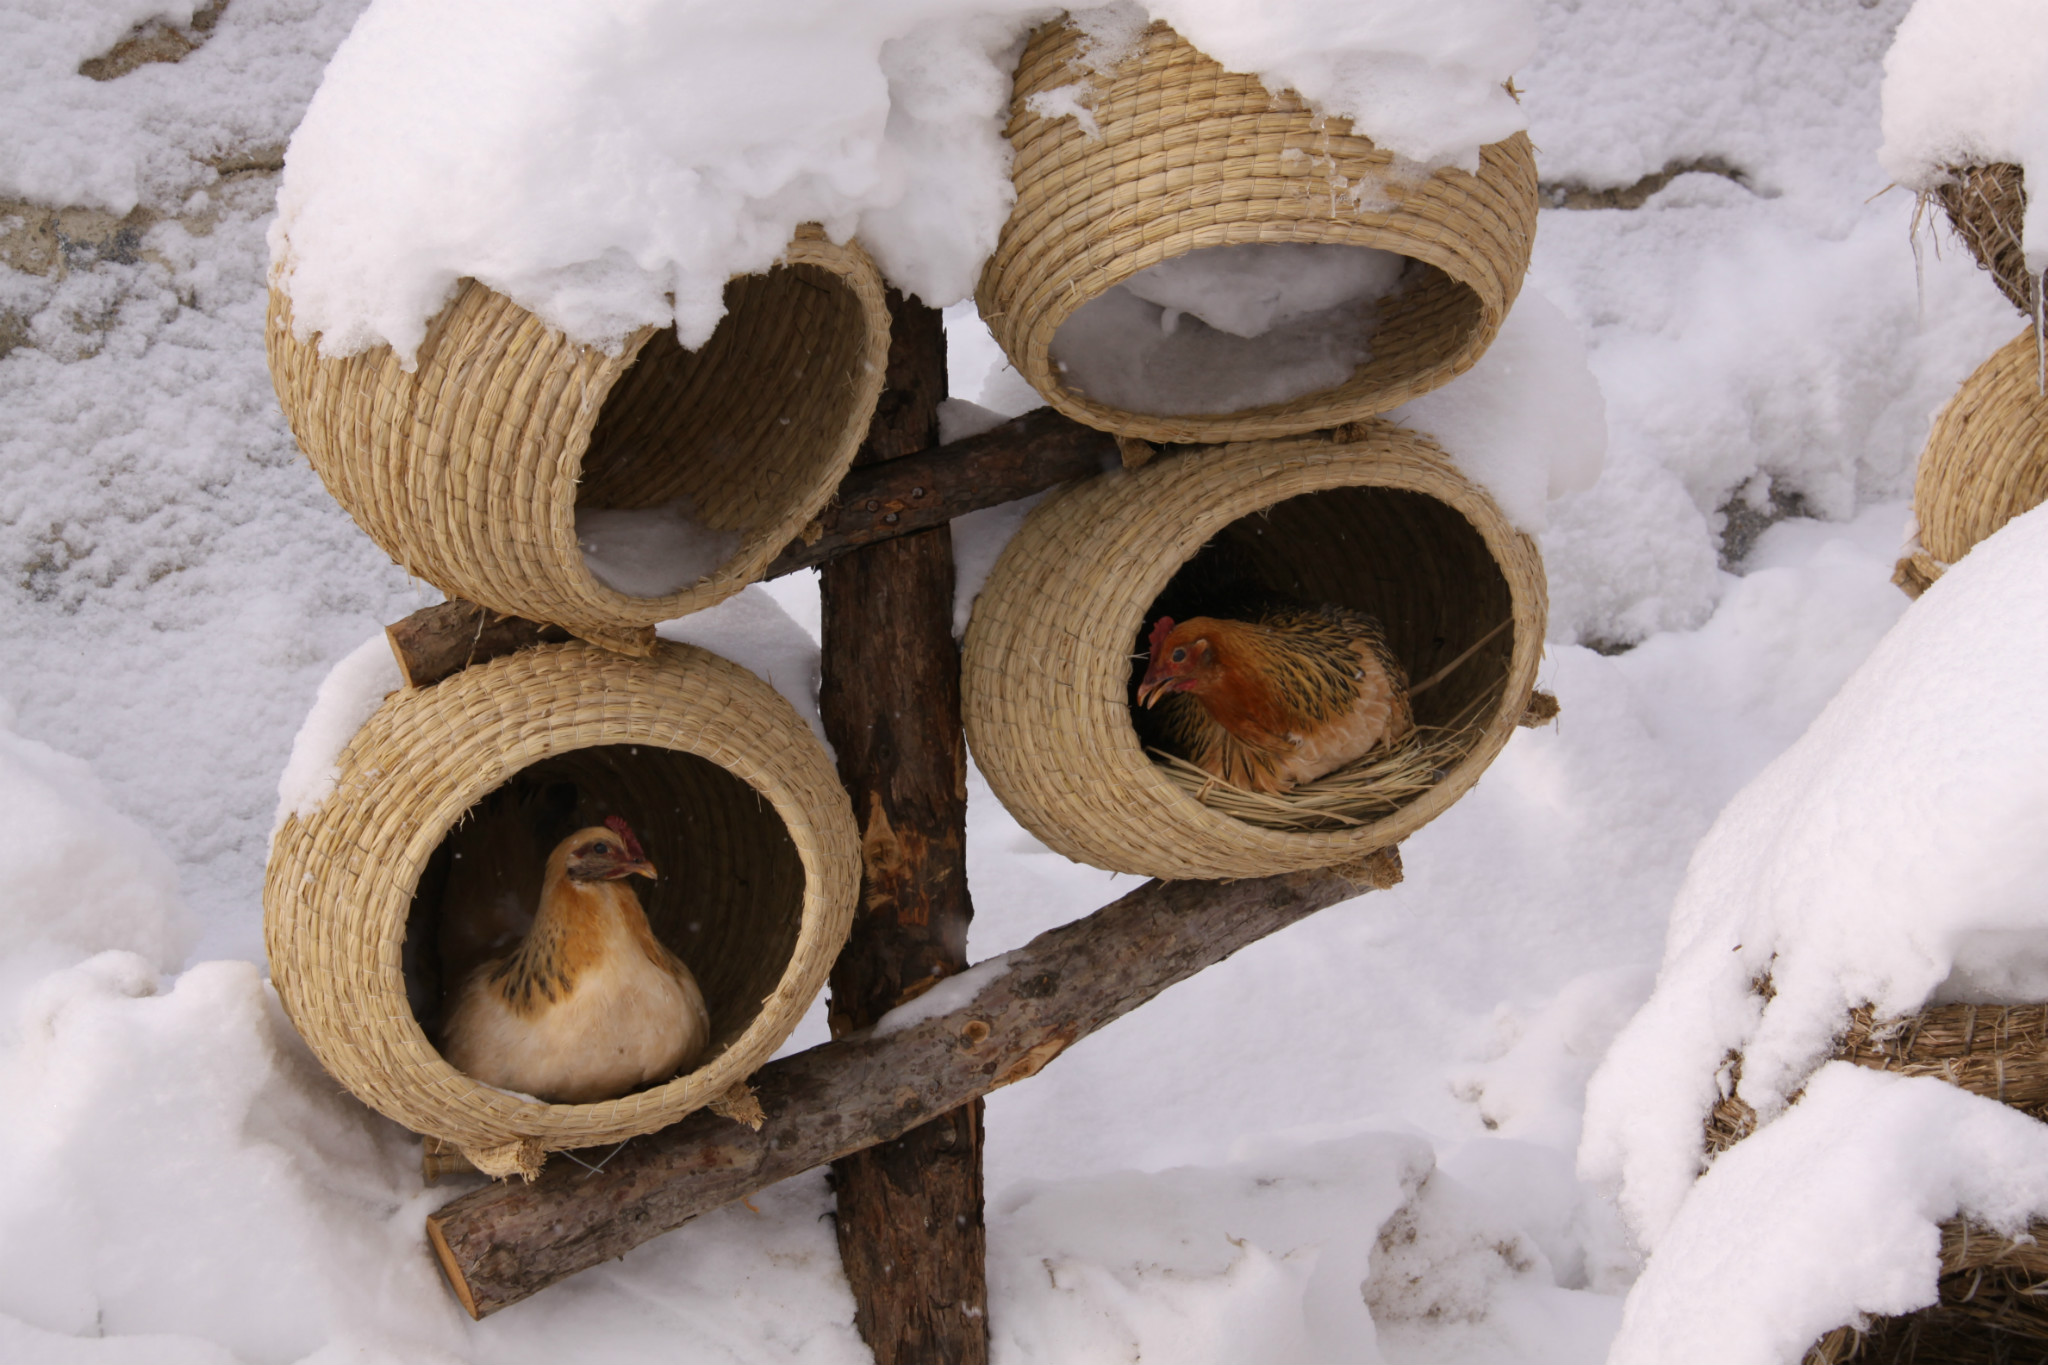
729, 900
1252, 326
1413, 562
697, 454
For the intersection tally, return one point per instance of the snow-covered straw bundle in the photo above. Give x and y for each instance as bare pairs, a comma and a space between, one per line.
1195, 258
1987, 206
599, 491
726, 786
1374, 518
1985, 463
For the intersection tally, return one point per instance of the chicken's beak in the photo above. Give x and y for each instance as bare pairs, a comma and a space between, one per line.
642, 867
1150, 691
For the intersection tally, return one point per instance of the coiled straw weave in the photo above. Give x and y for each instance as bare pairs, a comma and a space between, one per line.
1376, 519
1987, 206
1192, 156
1993, 1304
734, 798
1986, 461
469, 470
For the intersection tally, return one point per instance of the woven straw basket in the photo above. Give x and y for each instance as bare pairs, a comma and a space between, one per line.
1375, 518
469, 470
1986, 462
1192, 156
1987, 205
733, 797
1994, 1289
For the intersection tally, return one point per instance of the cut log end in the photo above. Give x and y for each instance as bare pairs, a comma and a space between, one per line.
440, 641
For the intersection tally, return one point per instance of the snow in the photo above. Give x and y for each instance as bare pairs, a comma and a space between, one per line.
651, 551
1966, 83
1228, 328
948, 994
610, 165
181, 1181
349, 695
1896, 848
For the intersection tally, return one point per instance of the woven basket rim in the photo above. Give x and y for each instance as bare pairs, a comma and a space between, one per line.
430, 1086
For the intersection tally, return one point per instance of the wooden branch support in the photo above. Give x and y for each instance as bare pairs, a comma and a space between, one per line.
508, 1240
910, 1227
883, 501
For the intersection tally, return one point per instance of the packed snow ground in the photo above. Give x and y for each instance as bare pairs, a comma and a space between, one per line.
1390, 1093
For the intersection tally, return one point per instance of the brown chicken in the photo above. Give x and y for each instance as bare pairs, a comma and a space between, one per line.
1270, 703
590, 1005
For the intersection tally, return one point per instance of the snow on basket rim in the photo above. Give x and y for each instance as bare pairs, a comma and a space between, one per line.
1046, 670
469, 469
1165, 152
1986, 462
341, 882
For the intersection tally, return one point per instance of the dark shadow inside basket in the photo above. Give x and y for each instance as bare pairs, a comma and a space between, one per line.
729, 900
1423, 326
1413, 562
738, 427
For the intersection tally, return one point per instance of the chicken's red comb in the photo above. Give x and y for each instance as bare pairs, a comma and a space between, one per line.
1159, 633
617, 825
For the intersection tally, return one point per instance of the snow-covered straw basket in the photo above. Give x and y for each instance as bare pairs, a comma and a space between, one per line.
1986, 462
1374, 517
470, 470
734, 798
1191, 156
1987, 206
1994, 1288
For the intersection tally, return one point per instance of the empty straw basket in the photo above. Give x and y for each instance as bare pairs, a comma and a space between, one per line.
1375, 518
1986, 462
1190, 156
1992, 1287
726, 786
470, 470
1987, 206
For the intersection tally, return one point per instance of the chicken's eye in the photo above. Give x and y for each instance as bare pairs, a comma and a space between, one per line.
594, 850
1180, 656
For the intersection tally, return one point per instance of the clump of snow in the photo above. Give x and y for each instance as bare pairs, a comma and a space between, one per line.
1966, 83
943, 997
651, 551
1829, 1214
1898, 847
1528, 422
348, 696
1228, 327
754, 631
611, 165
80, 876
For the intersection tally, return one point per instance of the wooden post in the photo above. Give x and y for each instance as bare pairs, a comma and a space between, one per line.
910, 1210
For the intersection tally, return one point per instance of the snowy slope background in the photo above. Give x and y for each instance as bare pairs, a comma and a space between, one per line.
1390, 1093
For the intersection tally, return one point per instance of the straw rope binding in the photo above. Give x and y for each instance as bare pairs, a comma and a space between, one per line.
734, 798
1191, 156
1376, 518
1986, 462
470, 470
1994, 1288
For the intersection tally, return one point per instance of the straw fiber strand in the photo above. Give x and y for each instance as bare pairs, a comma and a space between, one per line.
468, 471
1986, 459
732, 794
1378, 520
1994, 1288
1987, 206
1192, 156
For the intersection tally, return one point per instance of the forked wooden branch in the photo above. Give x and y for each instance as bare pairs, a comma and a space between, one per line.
1024, 455
504, 1242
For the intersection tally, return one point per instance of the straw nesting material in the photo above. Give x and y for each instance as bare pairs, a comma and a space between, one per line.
1191, 156
1375, 518
1987, 206
726, 786
1992, 1287
1986, 462
469, 470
